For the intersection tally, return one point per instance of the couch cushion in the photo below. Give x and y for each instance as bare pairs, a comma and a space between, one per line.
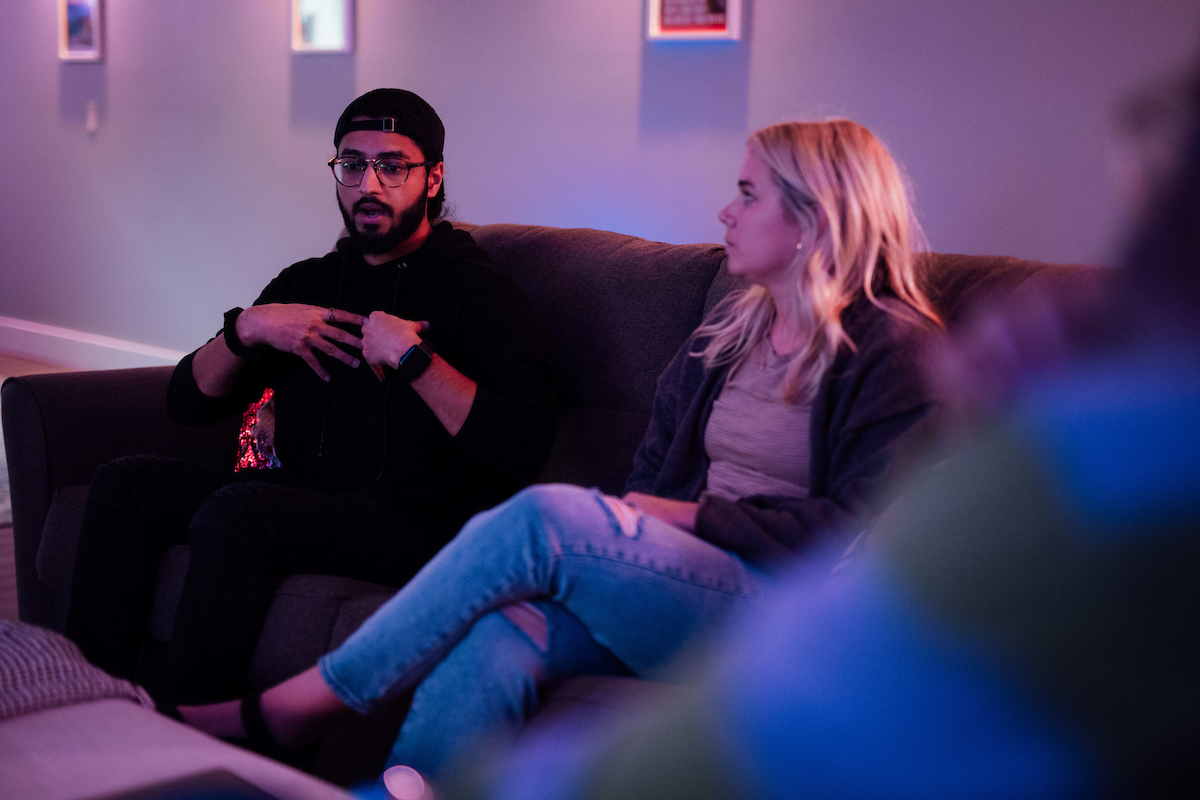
723, 283
595, 447
41, 669
305, 617
60, 538
353, 613
958, 283
580, 280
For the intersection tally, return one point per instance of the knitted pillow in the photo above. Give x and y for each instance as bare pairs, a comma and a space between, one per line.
41, 669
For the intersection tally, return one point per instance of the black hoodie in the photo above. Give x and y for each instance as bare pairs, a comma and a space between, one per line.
355, 433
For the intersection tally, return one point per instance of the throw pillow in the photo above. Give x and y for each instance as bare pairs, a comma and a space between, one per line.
41, 669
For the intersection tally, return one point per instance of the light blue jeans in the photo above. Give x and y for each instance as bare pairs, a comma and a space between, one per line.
557, 581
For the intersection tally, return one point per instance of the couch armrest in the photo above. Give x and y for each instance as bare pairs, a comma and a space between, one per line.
58, 428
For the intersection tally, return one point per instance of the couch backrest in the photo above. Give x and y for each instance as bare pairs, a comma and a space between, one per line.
616, 308
957, 283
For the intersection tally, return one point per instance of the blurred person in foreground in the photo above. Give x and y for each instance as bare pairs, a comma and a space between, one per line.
1026, 619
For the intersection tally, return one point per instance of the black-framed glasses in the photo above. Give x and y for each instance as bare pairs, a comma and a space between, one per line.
391, 172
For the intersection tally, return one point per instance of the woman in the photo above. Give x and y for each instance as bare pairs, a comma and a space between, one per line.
771, 432
1032, 638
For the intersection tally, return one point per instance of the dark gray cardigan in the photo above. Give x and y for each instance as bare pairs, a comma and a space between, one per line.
867, 409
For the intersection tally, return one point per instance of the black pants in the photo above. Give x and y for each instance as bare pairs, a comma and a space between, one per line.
246, 532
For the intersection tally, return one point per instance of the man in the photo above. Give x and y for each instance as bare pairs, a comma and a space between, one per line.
389, 440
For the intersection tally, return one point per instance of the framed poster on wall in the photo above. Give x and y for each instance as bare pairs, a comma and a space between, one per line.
694, 19
80, 30
322, 26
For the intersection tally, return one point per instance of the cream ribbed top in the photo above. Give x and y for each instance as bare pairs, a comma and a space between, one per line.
757, 443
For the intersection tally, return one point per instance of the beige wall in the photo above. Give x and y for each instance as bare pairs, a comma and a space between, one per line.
207, 174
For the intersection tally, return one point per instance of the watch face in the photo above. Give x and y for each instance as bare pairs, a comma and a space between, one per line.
416, 360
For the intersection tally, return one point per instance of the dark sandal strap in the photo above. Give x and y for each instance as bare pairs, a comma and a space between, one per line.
258, 735
260, 740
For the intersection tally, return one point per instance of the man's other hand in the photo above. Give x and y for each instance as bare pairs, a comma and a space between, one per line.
301, 329
386, 338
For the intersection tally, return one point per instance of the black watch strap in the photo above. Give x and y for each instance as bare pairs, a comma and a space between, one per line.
236, 345
416, 360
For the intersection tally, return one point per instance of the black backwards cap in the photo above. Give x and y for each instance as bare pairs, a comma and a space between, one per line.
395, 111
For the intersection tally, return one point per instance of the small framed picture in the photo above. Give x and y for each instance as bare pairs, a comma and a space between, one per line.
322, 26
81, 30
694, 19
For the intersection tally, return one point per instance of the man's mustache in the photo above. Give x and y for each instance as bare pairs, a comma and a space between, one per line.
383, 207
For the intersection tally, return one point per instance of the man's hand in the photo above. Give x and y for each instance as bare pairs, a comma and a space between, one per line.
300, 329
448, 393
679, 513
385, 340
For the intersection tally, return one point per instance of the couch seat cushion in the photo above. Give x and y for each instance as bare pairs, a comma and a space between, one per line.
60, 538
310, 615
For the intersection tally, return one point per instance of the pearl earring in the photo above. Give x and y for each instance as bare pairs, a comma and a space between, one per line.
800, 246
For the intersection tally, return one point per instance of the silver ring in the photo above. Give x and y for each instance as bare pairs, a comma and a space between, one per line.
330, 319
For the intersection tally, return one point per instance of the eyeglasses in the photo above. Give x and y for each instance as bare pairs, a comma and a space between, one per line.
391, 172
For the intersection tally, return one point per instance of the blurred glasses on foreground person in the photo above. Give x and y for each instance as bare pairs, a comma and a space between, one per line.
1025, 623
772, 432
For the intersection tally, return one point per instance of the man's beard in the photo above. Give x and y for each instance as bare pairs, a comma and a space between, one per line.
402, 227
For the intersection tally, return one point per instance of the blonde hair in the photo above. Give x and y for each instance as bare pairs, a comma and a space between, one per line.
845, 188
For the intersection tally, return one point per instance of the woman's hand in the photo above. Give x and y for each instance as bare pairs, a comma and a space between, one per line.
300, 329
679, 513
386, 338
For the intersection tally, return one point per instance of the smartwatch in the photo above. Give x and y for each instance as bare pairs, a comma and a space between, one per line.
416, 360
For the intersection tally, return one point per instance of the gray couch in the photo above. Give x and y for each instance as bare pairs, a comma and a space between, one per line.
615, 309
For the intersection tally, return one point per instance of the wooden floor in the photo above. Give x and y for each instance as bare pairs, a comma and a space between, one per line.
11, 365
